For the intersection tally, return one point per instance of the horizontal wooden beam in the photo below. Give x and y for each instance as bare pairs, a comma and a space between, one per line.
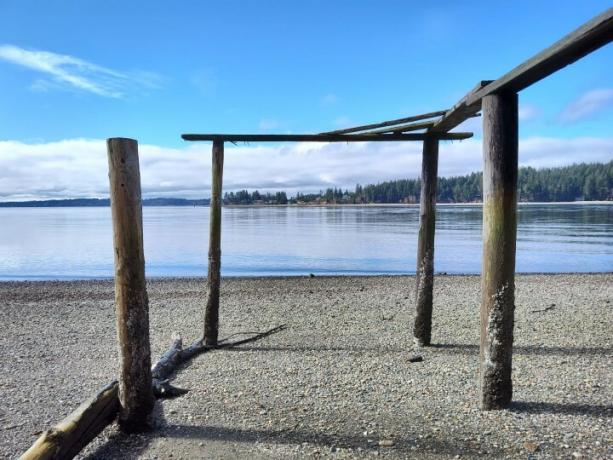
403, 128
587, 38
460, 112
409, 127
398, 121
324, 137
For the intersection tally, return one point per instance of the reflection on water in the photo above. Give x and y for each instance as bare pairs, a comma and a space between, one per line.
77, 242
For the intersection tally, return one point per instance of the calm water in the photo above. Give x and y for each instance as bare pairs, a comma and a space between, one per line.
42, 243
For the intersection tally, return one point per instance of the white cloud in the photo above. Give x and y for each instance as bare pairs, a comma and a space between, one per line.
587, 105
268, 124
527, 112
78, 167
329, 99
67, 71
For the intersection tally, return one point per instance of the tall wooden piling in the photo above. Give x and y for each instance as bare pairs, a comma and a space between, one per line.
422, 330
131, 303
500, 142
211, 315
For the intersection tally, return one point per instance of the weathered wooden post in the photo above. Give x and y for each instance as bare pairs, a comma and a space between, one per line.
422, 330
211, 315
135, 394
500, 132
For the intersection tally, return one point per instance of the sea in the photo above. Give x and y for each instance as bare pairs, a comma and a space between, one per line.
77, 243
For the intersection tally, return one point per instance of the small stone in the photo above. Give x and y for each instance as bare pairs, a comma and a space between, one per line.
386, 443
416, 359
531, 446
578, 455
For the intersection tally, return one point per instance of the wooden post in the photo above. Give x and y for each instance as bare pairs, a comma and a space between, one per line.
500, 133
211, 315
131, 303
422, 330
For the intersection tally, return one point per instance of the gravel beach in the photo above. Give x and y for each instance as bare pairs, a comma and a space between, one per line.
338, 382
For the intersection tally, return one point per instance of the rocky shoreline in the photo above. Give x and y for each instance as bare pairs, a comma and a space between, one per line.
339, 382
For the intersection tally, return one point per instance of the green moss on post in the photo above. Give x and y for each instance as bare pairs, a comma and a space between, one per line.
500, 140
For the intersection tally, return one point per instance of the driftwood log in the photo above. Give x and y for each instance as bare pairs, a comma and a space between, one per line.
66, 439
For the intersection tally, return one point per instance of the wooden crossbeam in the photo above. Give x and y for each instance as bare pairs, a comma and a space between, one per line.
398, 121
325, 137
408, 127
460, 112
402, 128
589, 37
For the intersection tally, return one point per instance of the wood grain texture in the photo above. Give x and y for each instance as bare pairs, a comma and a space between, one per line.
66, 439
211, 315
500, 156
589, 37
460, 112
131, 302
422, 330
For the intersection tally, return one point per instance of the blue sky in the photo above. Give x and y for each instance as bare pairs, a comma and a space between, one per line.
74, 73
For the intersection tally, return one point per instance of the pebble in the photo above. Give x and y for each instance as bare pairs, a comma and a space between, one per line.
531, 446
336, 373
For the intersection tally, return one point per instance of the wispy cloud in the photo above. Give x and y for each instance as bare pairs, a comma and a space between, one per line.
64, 71
527, 112
587, 105
205, 81
268, 124
329, 99
78, 167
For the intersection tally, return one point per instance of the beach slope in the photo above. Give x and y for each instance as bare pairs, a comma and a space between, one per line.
338, 381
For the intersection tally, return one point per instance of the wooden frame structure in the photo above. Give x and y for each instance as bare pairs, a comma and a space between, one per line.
132, 396
498, 100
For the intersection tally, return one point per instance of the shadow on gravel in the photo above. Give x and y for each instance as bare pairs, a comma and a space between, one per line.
531, 407
452, 348
311, 349
129, 446
235, 435
470, 349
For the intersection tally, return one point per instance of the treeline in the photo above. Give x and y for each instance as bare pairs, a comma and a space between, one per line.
244, 197
589, 182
